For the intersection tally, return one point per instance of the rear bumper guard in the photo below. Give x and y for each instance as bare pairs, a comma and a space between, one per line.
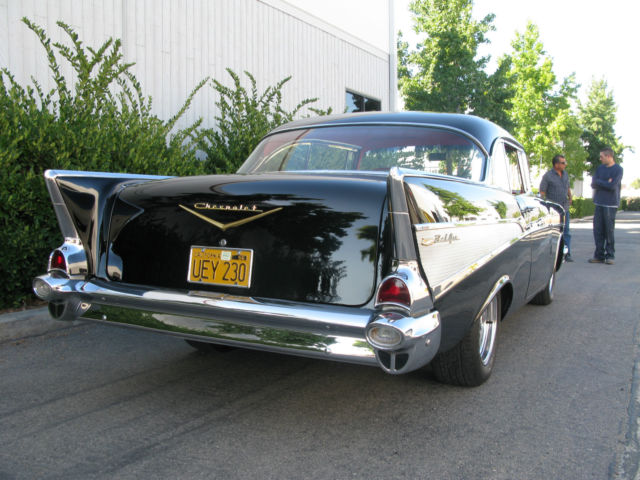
329, 332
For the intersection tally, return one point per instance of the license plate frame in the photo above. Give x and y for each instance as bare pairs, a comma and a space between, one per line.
220, 266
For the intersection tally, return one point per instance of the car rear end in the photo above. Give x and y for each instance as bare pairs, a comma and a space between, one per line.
307, 263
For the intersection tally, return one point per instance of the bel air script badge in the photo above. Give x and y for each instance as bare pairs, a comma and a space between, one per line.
446, 238
229, 208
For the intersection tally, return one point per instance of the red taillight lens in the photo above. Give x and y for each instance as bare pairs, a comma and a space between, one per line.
394, 290
57, 261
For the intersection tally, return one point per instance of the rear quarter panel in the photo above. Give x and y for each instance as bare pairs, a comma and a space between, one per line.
468, 237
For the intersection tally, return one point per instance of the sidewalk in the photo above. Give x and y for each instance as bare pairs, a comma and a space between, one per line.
27, 323
622, 217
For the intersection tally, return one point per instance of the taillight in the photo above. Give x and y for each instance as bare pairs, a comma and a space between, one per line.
394, 290
57, 261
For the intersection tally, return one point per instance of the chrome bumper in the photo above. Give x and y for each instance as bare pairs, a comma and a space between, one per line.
330, 332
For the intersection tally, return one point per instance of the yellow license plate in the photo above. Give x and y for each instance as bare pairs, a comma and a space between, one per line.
230, 267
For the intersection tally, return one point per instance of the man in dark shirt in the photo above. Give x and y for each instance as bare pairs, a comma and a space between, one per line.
606, 183
555, 187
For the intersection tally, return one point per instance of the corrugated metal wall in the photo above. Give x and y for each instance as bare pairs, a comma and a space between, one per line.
176, 43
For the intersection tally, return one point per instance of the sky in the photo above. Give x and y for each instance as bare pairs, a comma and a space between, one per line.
593, 39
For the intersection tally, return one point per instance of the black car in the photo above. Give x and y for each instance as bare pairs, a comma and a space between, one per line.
389, 239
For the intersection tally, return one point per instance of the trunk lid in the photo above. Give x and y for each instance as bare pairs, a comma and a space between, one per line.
311, 237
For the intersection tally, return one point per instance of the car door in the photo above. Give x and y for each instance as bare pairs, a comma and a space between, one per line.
537, 219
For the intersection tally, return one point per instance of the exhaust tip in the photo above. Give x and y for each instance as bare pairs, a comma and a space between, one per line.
64, 303
69, 310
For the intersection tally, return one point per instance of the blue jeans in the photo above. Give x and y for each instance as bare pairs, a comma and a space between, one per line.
604, 224
567, 231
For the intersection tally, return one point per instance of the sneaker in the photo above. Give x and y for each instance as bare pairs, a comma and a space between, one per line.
595, 260
609, 261
568, 258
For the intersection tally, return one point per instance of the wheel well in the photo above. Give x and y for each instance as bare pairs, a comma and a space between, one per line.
506, 296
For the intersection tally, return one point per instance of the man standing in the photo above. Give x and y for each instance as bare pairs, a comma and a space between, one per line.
555, 187
606, 197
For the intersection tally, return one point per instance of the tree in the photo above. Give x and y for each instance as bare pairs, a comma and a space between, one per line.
495, 97
541, 110
598, 119
444, 73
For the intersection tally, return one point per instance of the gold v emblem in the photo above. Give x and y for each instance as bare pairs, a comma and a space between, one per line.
226, 226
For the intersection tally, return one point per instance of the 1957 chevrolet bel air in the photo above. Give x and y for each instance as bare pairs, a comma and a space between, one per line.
389, 239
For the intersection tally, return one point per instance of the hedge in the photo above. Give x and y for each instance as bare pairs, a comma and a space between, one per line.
581, 207
631, 204
102, 123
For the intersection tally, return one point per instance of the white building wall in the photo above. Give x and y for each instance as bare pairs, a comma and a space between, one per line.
176, 43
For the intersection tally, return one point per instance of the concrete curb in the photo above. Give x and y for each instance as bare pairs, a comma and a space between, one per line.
27, 323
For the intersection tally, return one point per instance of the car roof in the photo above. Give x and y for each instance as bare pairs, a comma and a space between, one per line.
484, 131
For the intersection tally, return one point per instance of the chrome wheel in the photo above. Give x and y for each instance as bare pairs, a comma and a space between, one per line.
550, 285
488, 329
470, 362
545, 296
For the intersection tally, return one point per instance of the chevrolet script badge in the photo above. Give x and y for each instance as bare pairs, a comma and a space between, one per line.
237, 223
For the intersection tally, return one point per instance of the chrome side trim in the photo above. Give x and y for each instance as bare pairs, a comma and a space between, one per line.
405, 249
421, 227
448, 262
494, 291
67, 227
53, 174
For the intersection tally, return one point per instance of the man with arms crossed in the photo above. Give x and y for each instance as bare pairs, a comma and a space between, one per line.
554, 186
606, 197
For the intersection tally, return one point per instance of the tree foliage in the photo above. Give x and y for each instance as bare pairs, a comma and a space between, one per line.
245, 117
541, 109
444, 74
598, 119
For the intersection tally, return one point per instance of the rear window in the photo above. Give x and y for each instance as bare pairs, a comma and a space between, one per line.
370, 147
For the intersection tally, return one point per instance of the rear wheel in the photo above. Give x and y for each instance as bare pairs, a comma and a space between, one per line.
205, 347
470, 362
545, 296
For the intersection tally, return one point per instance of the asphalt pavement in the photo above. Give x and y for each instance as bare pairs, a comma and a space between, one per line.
94, 401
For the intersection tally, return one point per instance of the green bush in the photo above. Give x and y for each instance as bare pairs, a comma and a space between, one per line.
581, 207
245, 117
631, 204
100, 122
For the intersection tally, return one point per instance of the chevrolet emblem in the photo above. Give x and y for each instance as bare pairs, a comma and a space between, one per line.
237, 223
